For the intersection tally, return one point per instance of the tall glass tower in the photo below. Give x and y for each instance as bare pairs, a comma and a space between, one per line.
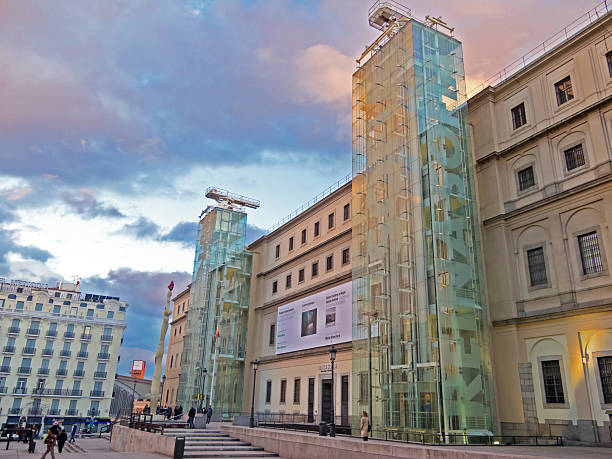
421, 361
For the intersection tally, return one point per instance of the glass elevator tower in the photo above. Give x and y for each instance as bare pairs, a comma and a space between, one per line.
421, 361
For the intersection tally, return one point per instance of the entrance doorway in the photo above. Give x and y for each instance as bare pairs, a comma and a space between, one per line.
326, 400
311, 388
344, 403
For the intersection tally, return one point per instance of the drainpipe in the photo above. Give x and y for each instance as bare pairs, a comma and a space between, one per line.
584, 357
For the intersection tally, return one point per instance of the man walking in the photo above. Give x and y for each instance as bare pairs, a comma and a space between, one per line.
191, 414
209, 414
73, 432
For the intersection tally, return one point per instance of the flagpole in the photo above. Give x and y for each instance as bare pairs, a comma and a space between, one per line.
212, 381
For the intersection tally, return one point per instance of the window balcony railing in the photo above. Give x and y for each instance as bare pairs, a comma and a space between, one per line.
68, 335
103, 356
71, 412
54, 412
79, 373
38, 391
20, 390
14, 410
83, 354
33, 331
29, 351
107, 338
8, 349
5, 369
65, 353
35, 411
64, 392
93, 412
13, 330
3, 389
100, 374
86, 337
61, 372
47, 352
97, 393
43, 371
51, 334
24, 370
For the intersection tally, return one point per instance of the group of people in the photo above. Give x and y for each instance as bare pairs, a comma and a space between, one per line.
57, 436
166, 411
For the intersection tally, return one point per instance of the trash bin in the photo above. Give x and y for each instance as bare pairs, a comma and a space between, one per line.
323, 429
179, 447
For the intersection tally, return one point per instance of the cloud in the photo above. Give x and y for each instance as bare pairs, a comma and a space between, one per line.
142, 228
184, 233
17, 193
84, 203
253, 233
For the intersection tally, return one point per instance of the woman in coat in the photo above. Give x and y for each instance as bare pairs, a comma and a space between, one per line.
364, 425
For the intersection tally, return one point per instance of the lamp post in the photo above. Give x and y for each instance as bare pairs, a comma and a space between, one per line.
161, 391
332, 425
204, 373
252, 419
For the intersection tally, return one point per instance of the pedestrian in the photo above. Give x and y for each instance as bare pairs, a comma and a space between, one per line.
50, 440
364, 425
169, 412
209, 413
147, 409
191, 415
73, 432
61, 439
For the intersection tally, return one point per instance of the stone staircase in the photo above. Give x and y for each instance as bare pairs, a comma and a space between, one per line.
210, 442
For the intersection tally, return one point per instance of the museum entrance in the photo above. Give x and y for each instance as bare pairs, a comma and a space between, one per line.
326, 400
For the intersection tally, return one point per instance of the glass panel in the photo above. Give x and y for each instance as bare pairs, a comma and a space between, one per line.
574, 157
537, 267
526, 178
589, 253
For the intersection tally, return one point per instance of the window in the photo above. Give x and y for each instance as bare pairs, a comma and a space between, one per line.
301, 275
316, 228
288, 281
90, 313
304, 236
268, 391
19, 305
57, 309
274, 287
171, 362
345, 256
110, 314
564, 90
329, 263
330, 221
537, 267
315, 269
277, 250
296, 391
57, 294
272, 336
526, 178
574, 157
347, 212
283, 391
589, 253
291, 243
553, 384
605, 374
609, 62
519, 117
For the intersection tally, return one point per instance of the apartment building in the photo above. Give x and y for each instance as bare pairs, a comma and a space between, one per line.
60, 350
300, 304
174, 356
543, 155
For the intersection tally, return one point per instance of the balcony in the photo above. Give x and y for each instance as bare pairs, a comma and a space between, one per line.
5, 369
86, 337
69, 335
53, 412
14, 410
100, 374
61, 372
106, 338
33, 331
64, 392
65, 353
19, 390
13, 330
47, 352
97, 393
103, 356
43, 371
71, 412
29, 351
93, 412
38, 391
3, 390
35, 411
24, 370
83, 354
8, 349
79, 373
52, 334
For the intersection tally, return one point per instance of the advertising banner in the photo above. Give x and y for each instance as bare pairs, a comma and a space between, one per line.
138, 369
317, 320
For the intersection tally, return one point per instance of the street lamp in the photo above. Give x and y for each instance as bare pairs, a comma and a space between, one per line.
161, 393
204, 373
332, 358
255, 363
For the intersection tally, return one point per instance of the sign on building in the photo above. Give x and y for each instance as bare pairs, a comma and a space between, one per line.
138, 369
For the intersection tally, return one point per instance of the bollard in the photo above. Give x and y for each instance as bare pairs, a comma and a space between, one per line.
179, 447
323, 429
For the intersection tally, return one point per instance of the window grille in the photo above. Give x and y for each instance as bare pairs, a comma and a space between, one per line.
537, 267
605, 374
526, 178
288, 281
589, 253
564, 90
301, 275
315, 269
345, 256
296, 390
519, 117
268, 391
283, 391
574, 157
553, 384
272, 337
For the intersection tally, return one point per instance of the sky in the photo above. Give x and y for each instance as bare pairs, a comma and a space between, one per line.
116, 115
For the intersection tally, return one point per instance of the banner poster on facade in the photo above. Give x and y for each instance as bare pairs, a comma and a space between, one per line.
317, 320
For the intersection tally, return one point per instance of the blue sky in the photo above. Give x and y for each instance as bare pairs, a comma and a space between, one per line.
115, 116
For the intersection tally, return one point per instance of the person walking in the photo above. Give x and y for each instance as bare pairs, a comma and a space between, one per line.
209, 413
73, 432
364, 424
169, 412
191, 415
61, 439
50, 440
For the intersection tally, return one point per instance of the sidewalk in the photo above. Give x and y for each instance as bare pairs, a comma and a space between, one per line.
95, 448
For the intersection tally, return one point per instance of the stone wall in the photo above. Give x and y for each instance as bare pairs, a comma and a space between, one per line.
134, 440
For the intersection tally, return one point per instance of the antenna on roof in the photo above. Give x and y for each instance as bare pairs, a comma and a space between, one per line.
231, 200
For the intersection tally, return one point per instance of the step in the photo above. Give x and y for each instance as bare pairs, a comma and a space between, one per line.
187, 435
197, 449
232, 454
234, 442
